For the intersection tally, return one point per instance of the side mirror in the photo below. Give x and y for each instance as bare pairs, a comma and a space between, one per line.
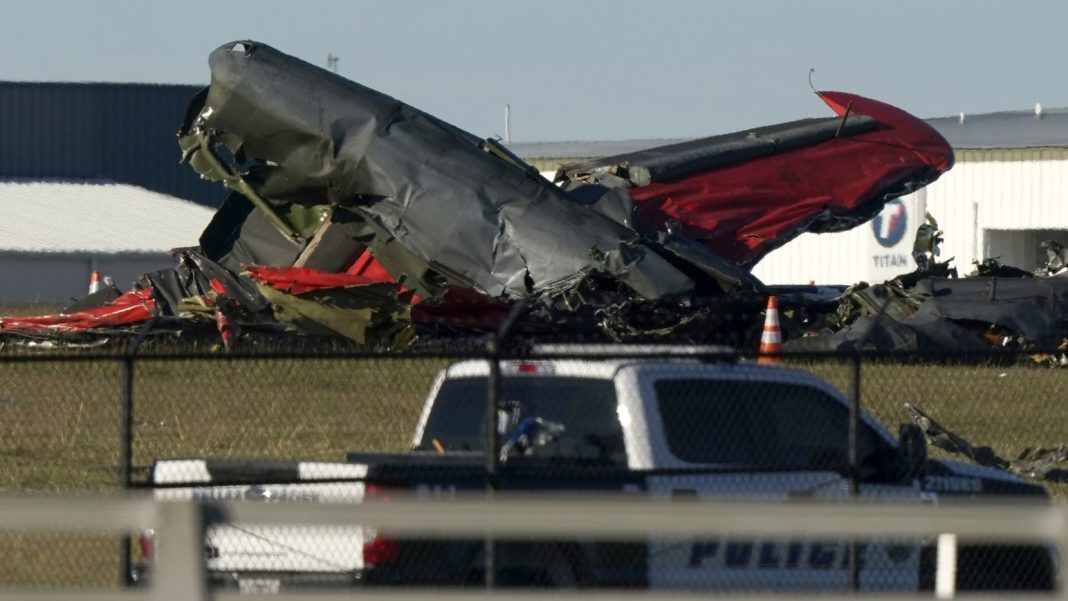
912, 443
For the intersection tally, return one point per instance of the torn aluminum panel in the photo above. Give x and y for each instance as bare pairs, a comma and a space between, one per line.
1032, 308
370, 314
954, 314
938, 436
992, 267
932, 309
1038, 463
459, 211
1056, 259
925, 248
675, 161
883, 317
195, 275
744, 194
1042, 463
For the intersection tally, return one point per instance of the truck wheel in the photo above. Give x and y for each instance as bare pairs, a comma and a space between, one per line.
1005, 568
558, 573
550, 570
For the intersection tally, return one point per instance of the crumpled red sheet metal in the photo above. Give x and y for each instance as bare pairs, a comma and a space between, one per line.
745, 210
299, 280
457, 308
131, 308
462, 308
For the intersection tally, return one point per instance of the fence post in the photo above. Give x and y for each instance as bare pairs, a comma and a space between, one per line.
854, 460
180, 574
946, 567
1062, 555
493, 397
126, 443
493, 404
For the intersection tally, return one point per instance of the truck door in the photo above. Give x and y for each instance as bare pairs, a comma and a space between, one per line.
763, 439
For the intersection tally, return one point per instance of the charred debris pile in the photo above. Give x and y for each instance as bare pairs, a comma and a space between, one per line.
358, 221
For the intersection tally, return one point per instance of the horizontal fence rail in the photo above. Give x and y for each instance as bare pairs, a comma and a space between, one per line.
180, 574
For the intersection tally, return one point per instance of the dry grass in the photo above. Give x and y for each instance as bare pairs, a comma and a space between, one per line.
1008, 408
63, 419
21, 309
307, 409
62, 422
59, 560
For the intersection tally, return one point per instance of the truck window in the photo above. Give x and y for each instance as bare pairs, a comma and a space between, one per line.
585, 406
764, 425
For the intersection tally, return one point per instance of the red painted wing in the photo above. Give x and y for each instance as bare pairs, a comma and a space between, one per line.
744, 210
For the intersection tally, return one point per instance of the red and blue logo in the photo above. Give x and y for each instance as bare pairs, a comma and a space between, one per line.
891, 224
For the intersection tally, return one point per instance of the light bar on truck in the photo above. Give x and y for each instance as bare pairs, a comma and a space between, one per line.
527, 368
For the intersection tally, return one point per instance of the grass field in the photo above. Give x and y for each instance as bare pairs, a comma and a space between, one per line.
62, 422
62, 419
1008, 408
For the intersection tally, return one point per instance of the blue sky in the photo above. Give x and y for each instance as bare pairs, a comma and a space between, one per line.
581, 70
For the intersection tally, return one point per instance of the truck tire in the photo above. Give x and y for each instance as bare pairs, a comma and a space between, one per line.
543, 566
1005, 568
559, 572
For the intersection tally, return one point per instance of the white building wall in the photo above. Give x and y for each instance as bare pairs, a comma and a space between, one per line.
872, 252
1020, 192
953, 202
1003, 206
991, 204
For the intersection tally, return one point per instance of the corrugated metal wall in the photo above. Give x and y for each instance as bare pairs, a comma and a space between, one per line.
953, 203
119, 132
1020, 189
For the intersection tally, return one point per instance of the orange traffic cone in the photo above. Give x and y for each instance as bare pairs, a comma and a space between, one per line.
771, 338
94, 282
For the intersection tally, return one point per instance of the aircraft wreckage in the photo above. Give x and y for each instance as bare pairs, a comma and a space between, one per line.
932, 309
354, 215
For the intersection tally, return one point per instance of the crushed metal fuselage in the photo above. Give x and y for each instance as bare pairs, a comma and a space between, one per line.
932, 309
355, 214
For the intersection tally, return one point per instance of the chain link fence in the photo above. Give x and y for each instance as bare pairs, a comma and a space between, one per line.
305, 428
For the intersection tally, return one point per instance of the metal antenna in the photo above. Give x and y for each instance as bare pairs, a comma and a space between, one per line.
331, 62
507, 123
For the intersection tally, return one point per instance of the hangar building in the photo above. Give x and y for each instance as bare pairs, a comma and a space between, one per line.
54, 234
90, 179
1007, 193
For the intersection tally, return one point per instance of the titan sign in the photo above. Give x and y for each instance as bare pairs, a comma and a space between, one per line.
889, 228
